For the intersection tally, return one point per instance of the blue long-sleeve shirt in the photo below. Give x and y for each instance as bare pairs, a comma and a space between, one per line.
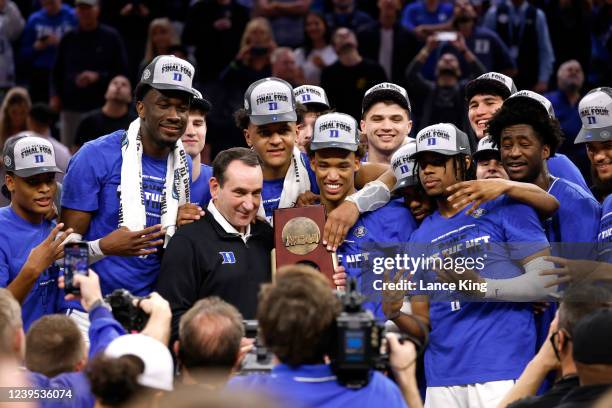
546, 54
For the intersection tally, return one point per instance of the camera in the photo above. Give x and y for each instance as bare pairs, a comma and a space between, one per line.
259, 359
132, 318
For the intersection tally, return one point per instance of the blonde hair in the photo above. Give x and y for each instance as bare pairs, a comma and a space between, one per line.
255, 23
163, 22
15, 96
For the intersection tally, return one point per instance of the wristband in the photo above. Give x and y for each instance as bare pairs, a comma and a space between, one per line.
95, 253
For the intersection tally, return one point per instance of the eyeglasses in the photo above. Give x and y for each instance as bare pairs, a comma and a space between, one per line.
552, 341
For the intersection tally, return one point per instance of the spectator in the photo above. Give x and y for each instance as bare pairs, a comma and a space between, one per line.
284, 66
347, 79
87, 59
227, 253
115, 114
570, 78
524, 29
556, 353
425, 17
11, 26
209, 341
296, 317
387, 42
148, 162
600, 67
40, 120
346, 14
55, 345
214, 28
159, 40
14, 113
444, 99
317, 52
39, 44
27, 267
286, 18
484, 43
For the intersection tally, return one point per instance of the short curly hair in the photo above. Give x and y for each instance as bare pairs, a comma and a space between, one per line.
526, 112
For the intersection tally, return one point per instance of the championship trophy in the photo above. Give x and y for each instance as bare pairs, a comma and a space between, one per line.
297, 239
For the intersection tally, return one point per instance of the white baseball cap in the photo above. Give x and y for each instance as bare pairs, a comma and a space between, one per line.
596, 114
491, 82
270, 100
403, 166
26, 154
530, 95
443, 138
385, 91
485, 145
169, 73
158, 366
311, 95
335, 130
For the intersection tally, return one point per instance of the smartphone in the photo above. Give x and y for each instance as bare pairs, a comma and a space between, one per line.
448, 36
76, 261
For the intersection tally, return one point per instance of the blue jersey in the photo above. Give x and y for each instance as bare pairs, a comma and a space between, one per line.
92, 184
391, 224
604, 237
17, 238
560, 166
316, 386
200, 189
575, 223
477, 342
272, 189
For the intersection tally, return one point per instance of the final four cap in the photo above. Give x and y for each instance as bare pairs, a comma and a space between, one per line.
596, 113
485, 146
403, 166
169, 73
158, 365
270, 100
335, 130
199, 102
531, 97
443, 138
385, 91
491, 83
311, 95
27, 155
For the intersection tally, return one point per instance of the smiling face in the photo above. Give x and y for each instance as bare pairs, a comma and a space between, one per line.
163, 116
32, 197
273, 142
386, 126
335, 172
239, 197
195, 133
522, 153
480, 109
600, 155
488, 166
314, 27
436, 173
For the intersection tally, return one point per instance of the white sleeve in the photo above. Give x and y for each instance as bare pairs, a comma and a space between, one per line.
529, 286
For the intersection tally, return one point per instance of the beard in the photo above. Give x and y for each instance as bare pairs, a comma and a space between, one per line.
569, 86
448, 72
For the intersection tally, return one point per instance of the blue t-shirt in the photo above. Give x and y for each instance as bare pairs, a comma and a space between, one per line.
17, 238
92, 184
560, 166
604, 237
576, 222
316, 386
200, 189
388, 226
416, 14
272, 189
477, 342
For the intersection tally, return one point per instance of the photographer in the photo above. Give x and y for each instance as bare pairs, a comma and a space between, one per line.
297, 316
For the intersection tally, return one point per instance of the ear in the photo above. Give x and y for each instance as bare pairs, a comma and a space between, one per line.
10, 183
357, 163
247, 137
362, 125
545, 152
409, 126
468, 162
175, 348
19, 344
313, 162
214, 186
140, 109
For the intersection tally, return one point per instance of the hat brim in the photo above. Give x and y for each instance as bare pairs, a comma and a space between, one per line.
384, 95
603, 134
409, 181
36, 170
486, 86
167, 87
315, 106
333, 145
441, 151
482, 152
201, 104
267, 119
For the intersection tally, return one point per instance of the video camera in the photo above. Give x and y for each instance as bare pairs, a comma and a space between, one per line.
259, 359
132, 318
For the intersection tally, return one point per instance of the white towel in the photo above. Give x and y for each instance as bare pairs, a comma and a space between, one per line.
296, 182
132, 212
